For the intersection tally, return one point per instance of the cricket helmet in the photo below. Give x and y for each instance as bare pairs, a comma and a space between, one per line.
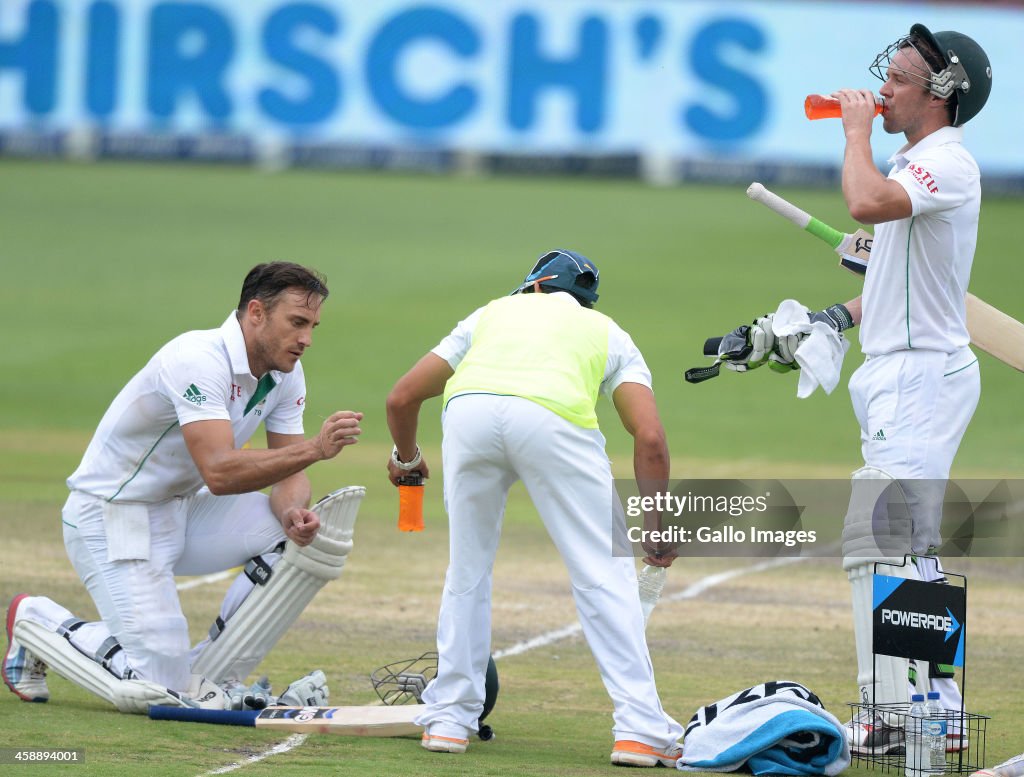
401, 682
965, 74
565, 271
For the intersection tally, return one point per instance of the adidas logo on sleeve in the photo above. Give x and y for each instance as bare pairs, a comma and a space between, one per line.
194, 395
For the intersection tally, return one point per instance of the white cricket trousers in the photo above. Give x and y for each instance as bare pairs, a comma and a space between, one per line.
913, 408
137, 599
490, 442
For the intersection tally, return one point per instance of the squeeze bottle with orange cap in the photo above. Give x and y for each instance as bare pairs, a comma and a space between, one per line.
410, 501
818, 106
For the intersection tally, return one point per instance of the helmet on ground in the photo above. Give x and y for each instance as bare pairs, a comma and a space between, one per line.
402, 682
964, 73
565, 271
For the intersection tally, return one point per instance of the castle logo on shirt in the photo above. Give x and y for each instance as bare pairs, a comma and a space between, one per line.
924, 178
194, 395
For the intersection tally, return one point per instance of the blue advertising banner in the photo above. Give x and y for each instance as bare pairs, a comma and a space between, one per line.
695, 80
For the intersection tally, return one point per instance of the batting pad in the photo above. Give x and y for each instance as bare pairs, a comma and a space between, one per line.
67, 661
270, 609
877, 526
883, 680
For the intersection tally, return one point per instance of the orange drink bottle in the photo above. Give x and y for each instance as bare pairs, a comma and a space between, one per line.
818, 106
410, 502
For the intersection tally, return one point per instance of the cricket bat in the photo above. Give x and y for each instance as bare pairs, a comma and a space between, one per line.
368, 721
993, 331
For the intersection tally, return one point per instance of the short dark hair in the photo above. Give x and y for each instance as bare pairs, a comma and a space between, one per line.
936, 62
267, 282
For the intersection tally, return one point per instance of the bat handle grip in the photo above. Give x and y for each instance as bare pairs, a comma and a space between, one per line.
711, 346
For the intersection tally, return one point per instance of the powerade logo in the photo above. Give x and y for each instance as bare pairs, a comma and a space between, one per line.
913, 619
921, 620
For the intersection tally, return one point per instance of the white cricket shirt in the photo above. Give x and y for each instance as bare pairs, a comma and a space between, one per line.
920, 266
138, 453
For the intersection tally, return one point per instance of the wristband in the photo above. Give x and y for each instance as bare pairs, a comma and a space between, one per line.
406, 466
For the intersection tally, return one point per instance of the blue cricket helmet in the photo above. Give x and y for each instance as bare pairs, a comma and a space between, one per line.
565, 271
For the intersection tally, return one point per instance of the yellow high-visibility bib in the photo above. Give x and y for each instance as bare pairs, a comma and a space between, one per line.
547, 350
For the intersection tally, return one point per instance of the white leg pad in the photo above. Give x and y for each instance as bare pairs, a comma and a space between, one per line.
269, 610
70, 663
877, 526
886, 681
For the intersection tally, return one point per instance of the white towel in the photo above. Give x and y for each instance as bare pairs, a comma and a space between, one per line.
778, 727
820, 355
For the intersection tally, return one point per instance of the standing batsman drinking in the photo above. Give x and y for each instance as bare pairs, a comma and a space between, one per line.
919, 385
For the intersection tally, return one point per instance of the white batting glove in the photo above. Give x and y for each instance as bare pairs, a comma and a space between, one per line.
258, 695
783, 358
760, 340
248, 697
308, 691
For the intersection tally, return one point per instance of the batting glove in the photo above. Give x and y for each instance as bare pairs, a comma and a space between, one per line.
748, 347
783, 358
308, 691
836, 316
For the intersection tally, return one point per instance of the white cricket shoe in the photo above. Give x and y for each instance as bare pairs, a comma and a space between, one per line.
628, 752
869, 734
23, 673
439, 744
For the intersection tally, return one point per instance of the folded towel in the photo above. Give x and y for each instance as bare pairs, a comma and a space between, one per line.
820, 355
779, 727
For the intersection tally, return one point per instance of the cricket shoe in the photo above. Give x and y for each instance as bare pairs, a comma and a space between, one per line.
23, 673
439, 744
1013, 767
628, 752
956, 743
869, 734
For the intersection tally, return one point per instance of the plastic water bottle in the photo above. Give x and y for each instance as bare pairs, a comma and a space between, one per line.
650, 580
819, 106
935, 733
918, 762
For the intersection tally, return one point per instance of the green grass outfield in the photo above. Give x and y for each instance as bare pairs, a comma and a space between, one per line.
102, 264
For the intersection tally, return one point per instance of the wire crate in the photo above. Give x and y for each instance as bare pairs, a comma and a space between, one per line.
965, 740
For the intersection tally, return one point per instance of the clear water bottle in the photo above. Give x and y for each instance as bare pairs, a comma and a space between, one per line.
650, 580
917, 761
935, 733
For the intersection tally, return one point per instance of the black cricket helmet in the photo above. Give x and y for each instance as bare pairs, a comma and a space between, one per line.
401, 682
965, 73
565, 271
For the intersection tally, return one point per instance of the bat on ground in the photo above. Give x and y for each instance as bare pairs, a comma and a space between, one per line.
991, 330
369, 721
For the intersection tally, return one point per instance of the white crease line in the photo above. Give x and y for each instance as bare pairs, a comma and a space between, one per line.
282, 747
690, 592
216, 577
540, 641
696, 589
